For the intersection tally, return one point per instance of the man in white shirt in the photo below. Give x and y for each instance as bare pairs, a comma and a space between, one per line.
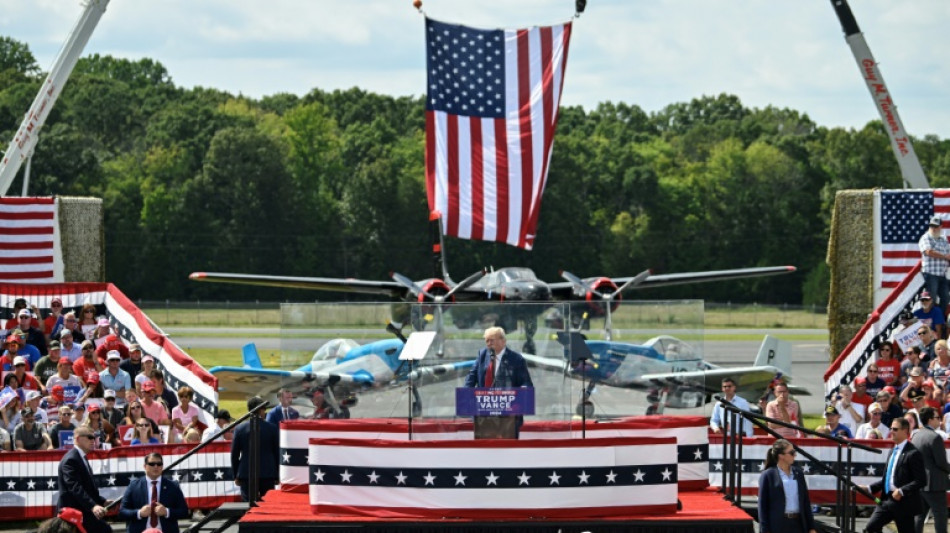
720, 417
852, 414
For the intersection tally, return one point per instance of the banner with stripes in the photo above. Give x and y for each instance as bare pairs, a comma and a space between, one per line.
867, 467
901, 218
859, 353
493, 478
28, 480
690, 432
30, 249
132, 325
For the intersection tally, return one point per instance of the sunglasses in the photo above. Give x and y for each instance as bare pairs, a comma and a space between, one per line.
136, 407
154, 464
141, 425
898, 428
88, 311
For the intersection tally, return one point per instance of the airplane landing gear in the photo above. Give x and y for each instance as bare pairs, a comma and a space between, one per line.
657, 399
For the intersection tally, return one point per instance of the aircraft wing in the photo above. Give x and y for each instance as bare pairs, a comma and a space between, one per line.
239, 383
750, 379
362, 286
563, 289
558, 364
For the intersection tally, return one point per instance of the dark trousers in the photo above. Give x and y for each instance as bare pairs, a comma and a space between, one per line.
788, 525
886, 512
263, 485
935, 501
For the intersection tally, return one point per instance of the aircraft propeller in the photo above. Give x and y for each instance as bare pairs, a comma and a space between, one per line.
607, 298
437, 299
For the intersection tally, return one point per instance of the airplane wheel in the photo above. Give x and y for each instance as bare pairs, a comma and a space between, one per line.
652, 409
416, 409
529, 347
585, 406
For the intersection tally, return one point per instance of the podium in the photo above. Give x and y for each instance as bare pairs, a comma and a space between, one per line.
497, 412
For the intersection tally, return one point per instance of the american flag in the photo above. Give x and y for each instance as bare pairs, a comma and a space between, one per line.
491, 110
904, 216
29, 241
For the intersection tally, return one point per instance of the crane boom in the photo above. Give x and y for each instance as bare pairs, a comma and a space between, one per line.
23, 143
911, 171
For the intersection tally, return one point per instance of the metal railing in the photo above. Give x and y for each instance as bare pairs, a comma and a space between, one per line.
845, 488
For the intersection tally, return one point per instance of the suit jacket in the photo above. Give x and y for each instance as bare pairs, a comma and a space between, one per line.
139, 494
930, 445
276, 415
269, 438
513, 371
77, 488
909, 477
772, 501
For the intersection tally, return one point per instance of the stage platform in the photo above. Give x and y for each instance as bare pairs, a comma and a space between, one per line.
703, 511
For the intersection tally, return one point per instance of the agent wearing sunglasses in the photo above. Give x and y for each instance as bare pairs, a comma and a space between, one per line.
784, 506
152, 500
900, 485
77, 488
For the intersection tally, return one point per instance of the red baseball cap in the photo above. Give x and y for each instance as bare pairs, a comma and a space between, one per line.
92, 376
860, 381
73, 516
93, 408
148, 385
891, 390
56, 391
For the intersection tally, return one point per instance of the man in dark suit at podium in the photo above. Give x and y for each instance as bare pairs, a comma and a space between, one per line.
499, 367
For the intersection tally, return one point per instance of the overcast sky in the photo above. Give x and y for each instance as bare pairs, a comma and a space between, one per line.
785, 53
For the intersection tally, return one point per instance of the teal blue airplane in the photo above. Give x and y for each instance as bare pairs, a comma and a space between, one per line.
342, 367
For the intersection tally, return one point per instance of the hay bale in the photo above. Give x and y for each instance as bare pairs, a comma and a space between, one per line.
851, 262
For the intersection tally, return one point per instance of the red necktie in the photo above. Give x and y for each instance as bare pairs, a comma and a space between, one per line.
490, 373
153, 518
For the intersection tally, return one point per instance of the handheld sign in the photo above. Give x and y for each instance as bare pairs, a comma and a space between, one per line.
417, 345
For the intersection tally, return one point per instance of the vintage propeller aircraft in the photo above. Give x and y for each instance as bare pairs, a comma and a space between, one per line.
668, 369
342, 367
598, 296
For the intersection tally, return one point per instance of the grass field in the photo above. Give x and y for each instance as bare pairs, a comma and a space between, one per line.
631, 315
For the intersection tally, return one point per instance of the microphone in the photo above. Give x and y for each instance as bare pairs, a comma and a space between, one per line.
491, 353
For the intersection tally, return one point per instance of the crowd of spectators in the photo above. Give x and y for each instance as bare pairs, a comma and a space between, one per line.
62, 372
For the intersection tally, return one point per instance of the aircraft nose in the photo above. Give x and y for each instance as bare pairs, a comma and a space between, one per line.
539, 292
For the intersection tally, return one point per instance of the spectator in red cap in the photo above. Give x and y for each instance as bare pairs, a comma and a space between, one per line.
861, 395
68, 520
93, 393
12, 347
109, 343
64, 376
104, 431
88, 361
154, 410
54, 402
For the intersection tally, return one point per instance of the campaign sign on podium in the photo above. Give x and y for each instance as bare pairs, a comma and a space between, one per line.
496, 412
483, 401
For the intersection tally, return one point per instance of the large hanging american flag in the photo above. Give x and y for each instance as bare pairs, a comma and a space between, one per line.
29, 241
491, 110
903, 217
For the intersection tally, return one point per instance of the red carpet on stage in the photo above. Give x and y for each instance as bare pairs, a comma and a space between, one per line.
703, 511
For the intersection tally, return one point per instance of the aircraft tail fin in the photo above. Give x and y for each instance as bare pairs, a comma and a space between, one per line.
439, 270
251, 357
775, 352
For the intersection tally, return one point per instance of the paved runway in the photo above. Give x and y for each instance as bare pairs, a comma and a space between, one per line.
555, 396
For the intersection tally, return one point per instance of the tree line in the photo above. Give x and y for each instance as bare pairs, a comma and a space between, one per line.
332, 184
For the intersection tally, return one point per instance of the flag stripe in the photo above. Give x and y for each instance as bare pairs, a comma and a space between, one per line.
477, 178
29, 238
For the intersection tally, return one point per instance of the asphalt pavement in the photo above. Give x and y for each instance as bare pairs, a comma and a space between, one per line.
810, 359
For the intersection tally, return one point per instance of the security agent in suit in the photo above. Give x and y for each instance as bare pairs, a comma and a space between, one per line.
784, 506
283, 411
268, 452
900, 499
137, 508
934, 494
77, 488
